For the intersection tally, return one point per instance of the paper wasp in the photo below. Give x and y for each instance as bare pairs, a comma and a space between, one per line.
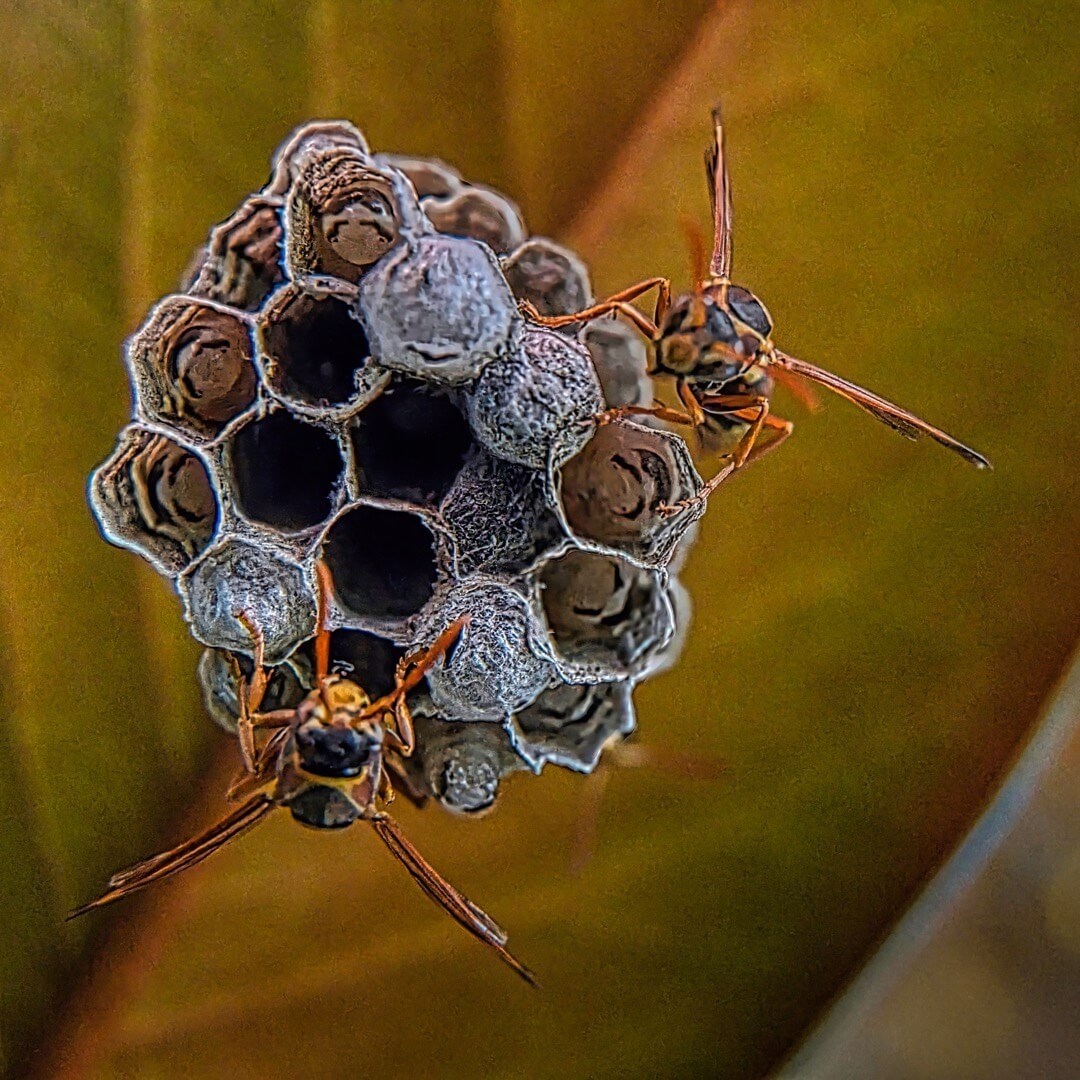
716, 342
325, 761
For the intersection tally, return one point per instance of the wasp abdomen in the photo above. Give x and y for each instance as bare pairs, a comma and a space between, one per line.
321, 807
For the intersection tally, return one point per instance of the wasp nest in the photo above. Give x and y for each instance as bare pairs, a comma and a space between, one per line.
347, 376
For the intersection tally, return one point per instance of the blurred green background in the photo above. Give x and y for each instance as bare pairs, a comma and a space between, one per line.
875, 624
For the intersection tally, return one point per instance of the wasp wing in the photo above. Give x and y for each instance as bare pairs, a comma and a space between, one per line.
458, 906
138, 877
908, 424
720, 195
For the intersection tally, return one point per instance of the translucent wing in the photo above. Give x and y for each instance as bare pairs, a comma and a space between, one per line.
908, 424
459, 907
138, 877
720, 194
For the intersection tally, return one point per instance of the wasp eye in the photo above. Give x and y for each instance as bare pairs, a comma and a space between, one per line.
332, 751
720, 326
748, 309
321, 807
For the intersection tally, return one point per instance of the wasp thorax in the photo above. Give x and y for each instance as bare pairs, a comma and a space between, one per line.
333, 750
322, 807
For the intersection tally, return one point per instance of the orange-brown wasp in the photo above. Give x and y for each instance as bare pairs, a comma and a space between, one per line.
326, 762
716, 342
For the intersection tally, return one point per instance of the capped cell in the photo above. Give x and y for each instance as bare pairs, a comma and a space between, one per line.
155, 497
533, 404
621, 359
437, 308
630, 492
461, 766
236, 585
500, 662
549, 276
479, 213
500, 517
191, 366
608, 619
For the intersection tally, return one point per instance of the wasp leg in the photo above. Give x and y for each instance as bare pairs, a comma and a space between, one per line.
608, 307
741, 405
411, 669
781, 429
402, 736
702, 496
322, 633
619, 301
661, 412
689, 399
250, 694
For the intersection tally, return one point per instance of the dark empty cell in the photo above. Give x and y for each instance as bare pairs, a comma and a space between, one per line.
285, 472
382, 562
316, 348
369, 660
410, 443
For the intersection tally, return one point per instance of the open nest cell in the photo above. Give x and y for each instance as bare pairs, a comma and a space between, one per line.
382, 562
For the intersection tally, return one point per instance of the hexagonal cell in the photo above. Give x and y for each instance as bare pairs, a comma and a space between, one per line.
287, 686
621, 358
460, 765
570, 725
612, 496
366, 658
242, 261
382, 561
479, 213
607, 618
341, 214
237, 576
551, 277
313, 136
190, 364
532, 406
499, 664
314, 354
410, 443
501, 517
429, 176
155, 497
286, 473
437, 308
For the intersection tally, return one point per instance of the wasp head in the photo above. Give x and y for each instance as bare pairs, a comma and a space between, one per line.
338, 751
713, 335
332, 763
